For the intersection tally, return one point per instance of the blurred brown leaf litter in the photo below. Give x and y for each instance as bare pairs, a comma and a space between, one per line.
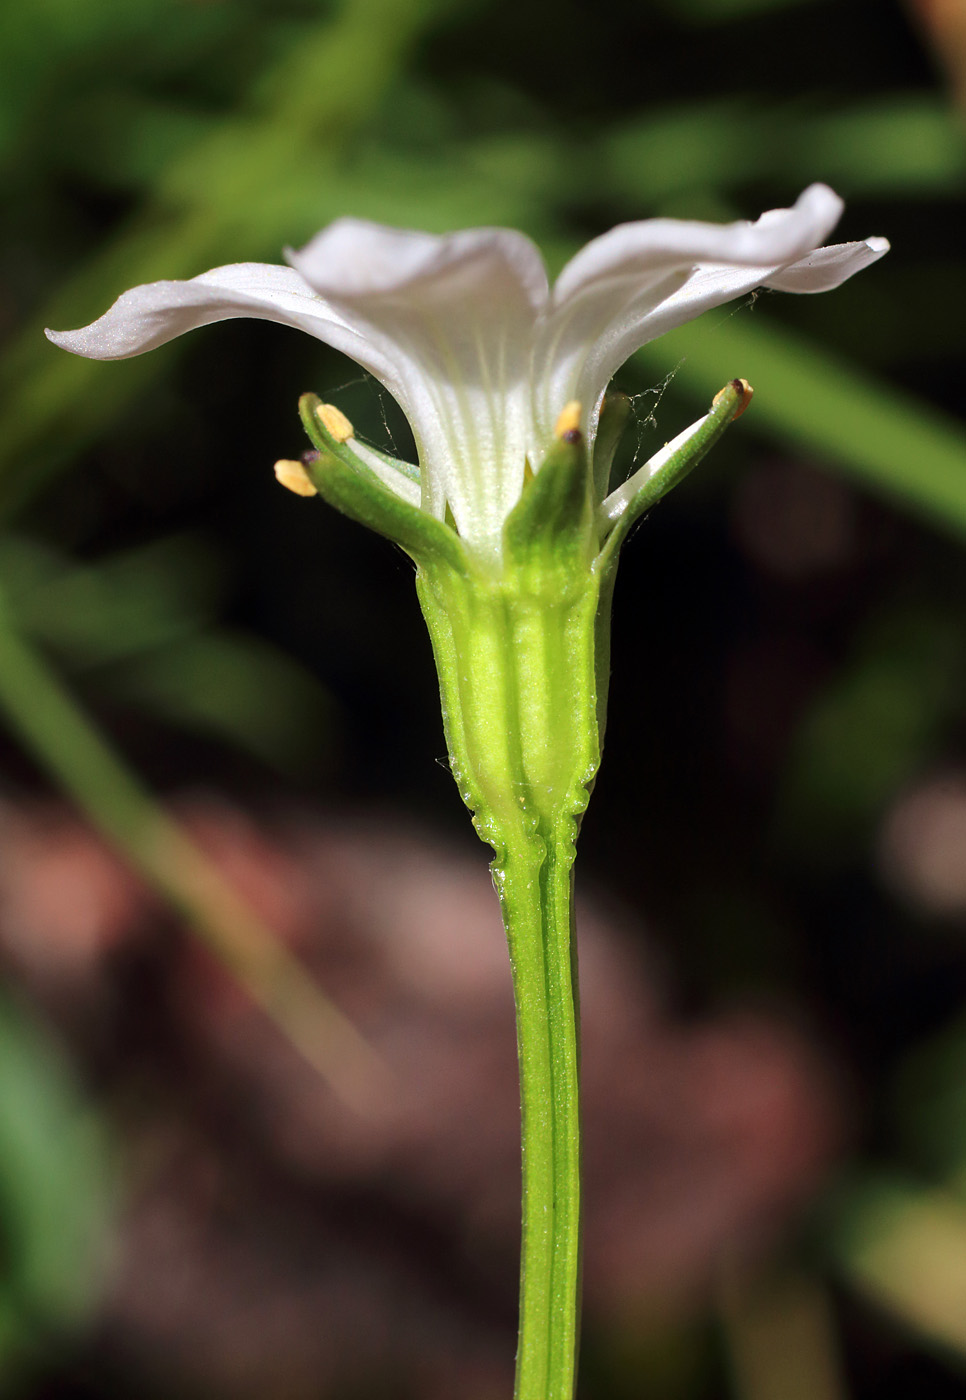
273, 1241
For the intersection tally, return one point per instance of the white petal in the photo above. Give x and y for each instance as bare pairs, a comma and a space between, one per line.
605, 296
355, 258
630, 250
828, 268
716, 283
456, 314
151, 315
148, 316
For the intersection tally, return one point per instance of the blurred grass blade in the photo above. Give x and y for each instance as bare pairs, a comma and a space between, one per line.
55, 1191
904, 1247
36, 40
237, 687
906, 144
64, 741
123, 605
805, 396
143, 621
259, 181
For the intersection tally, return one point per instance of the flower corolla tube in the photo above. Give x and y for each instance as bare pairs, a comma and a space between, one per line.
466, 332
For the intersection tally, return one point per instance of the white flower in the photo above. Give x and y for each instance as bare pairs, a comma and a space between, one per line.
465, 331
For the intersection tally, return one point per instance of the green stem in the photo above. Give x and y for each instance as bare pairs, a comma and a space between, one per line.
535, 887
518, 664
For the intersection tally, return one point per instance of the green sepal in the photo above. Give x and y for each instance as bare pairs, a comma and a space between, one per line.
727, 404
615, 413
323, 441
551, 527
364, 498
519, 691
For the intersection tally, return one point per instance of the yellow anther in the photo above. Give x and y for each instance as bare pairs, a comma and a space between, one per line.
742, 388
569, 420
294, 477
334, 422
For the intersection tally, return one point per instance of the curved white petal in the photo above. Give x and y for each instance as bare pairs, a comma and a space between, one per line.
456, 313
716, 283
355, 258
828, 268
606, 295
631, 250
151, 315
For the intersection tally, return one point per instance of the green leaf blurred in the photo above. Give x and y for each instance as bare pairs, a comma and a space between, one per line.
125, 604
879, 721
810, 399
141, 627
234, 688
55, 1191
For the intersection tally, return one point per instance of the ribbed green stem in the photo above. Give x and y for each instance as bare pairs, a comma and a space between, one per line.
517, 661
535, 888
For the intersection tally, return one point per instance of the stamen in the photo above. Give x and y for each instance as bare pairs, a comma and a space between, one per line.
569, 421
294, 477
334, 421
740, 387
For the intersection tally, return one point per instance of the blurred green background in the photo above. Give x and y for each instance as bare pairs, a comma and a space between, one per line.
219, 727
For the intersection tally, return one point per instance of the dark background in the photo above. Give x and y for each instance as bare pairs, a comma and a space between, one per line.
774, 860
